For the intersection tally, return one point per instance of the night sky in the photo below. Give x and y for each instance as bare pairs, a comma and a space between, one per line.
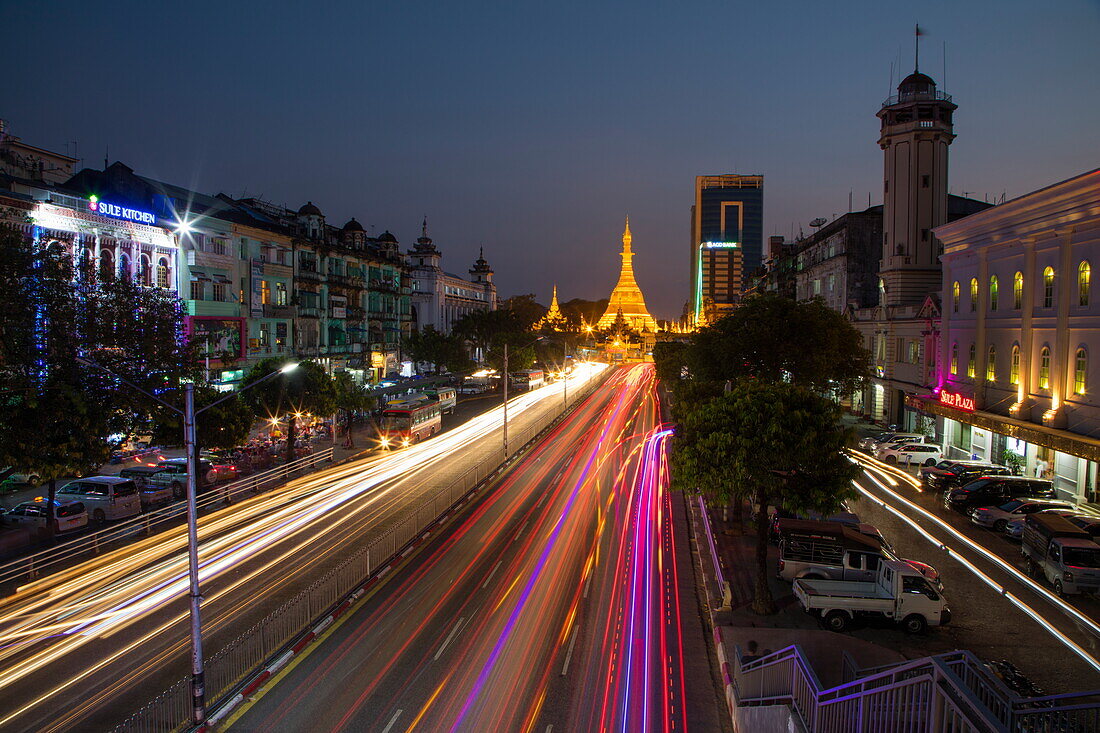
532, 128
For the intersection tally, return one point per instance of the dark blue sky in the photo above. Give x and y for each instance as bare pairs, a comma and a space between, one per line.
532, 128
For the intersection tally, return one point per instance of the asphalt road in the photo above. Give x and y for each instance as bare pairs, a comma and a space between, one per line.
997, 612
562, 601
83, 648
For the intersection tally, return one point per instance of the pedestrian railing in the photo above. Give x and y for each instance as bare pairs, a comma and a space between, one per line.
147, 523
273, 636
947, 692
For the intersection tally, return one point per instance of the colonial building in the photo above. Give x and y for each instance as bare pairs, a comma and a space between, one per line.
839, 261
1017, 376
626, 303
440, 298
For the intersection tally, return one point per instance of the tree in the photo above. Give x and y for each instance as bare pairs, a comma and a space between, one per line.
777, 339
772, 443
222, 427
306, 388
348, 397
438, 349
526, 311
670, 360
579, 311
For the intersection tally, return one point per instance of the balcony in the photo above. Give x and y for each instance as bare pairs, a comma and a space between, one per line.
917, 97
355, 314
309, 275
382, 315
309, 311
278, 311
346, 281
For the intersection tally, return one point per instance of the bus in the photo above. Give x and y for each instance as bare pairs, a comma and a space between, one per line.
408, 423
527, 379
446, 396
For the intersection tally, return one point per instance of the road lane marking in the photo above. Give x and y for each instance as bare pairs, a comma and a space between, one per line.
450, 637
389, 726
520, 532
491, 574
569, 652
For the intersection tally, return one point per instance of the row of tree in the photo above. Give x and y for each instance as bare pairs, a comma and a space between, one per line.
755, 397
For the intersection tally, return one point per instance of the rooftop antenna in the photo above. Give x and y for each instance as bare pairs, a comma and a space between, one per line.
106, 156
945, 64
849, 200
890, 91
917, 33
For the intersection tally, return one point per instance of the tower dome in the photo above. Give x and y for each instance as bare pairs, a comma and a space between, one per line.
353, 226
309, 210
916, 83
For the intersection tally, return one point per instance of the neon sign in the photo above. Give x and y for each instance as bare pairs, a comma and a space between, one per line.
119, 212
721, 245
954, 399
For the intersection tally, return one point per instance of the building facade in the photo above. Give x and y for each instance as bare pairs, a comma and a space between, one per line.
727, 240
839, 262
1017, 374
439, 298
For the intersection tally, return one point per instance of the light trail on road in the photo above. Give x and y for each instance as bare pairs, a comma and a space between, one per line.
57, 632
493, 627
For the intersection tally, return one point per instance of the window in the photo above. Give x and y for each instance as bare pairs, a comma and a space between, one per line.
991, 365
926, 123
925, 180
993, 293
145, 275
1048, 287
1018, 290
1014, 373
106, 265
970, 368
955, 290
886, 186
973, 294
914, 352
219, 292
162, 273
1084, 277
954, 358
265, 292
924, 235
123, 266
1080, 368
280, 294
1044, 368
197, 290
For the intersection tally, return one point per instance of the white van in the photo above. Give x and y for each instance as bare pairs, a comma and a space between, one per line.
105, 497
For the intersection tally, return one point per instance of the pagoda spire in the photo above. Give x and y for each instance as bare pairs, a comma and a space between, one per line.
627, 296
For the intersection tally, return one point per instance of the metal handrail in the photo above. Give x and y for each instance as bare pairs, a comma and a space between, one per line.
280, 629
34, 565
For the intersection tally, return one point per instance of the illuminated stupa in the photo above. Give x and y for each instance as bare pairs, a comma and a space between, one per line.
626, 299
554, 319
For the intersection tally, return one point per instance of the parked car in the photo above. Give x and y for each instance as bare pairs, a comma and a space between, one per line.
870, 443
899, 593
910, 454
1087, 522
1014, 530
850, 519
69, 516
998, 517
996, 490
10, 479
952, 474
105, 497
1063, 553
174, 476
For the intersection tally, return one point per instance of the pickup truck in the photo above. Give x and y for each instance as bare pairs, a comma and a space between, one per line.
899, 593
1062, 552
835, 551
174, 476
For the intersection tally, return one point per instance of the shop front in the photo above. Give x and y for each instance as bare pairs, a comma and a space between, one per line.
1068, 459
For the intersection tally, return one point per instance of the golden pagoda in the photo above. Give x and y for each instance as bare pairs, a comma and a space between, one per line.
554, 319
627, 302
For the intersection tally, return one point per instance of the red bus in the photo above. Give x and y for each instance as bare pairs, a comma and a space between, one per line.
408, 423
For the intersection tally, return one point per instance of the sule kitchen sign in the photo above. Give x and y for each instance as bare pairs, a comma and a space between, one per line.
120, 212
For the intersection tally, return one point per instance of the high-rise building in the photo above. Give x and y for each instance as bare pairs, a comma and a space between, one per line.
727, 240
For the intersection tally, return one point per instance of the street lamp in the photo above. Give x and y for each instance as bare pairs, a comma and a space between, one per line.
189, 413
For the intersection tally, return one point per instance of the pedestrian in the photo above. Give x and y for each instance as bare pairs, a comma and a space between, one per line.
1041, 468
751, 655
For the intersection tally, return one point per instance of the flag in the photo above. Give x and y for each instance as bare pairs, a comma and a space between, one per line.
919, 31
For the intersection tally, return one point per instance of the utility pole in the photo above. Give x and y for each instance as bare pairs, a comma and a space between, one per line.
564, 376
505, 377
198, 686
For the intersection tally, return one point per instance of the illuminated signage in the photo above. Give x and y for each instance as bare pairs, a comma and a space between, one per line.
119, 212
954, 399
721, 245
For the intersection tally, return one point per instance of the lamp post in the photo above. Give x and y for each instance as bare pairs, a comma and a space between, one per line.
189, 413
505, 378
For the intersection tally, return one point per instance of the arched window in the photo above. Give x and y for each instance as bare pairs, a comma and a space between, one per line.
106, 265
124, 266
1048, 287
955, 290
162, 273
1014, 372
1080, 371
954, 358
145, 274
1084, 278
1018, 290
973, 294
970, 369
1044, 368
991, 364
993, 293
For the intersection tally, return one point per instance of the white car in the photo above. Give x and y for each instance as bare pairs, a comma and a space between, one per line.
1015, 529
871, 443
998, 517
910, 454
68, 516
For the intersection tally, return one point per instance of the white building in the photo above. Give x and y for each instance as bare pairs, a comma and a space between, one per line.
1018, 378
441, 298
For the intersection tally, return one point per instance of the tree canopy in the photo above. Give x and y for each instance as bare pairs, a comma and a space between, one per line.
304, 389
441, 350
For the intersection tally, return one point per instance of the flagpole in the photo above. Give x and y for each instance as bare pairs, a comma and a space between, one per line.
916, 45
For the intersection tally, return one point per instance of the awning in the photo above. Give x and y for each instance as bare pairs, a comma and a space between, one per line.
1062, 441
